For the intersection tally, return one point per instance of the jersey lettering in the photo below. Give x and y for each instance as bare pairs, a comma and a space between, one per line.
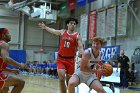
67, 44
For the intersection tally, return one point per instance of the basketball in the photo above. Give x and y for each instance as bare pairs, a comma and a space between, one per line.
108, 69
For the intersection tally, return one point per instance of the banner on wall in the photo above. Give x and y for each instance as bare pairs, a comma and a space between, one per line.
71, 4
101, 21
89, 1
80, 3
122, 19
63, 7
111, 22
83, 26
110, 53
92, 25
64, 12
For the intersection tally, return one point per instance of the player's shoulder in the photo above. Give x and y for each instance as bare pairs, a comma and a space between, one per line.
3, 44
62, 31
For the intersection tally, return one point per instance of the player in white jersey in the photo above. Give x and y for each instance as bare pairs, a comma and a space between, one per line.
87, 71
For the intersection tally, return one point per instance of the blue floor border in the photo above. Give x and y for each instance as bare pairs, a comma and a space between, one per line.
134, 88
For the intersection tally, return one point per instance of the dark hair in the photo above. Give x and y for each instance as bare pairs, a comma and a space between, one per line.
71, 19
2, 29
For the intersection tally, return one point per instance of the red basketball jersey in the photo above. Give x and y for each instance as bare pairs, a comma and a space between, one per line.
3, 64
68, 44
3, 76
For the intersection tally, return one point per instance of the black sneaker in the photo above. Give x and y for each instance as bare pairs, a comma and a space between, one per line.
112, 87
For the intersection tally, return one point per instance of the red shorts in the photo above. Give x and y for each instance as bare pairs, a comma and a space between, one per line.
67, 64
3, 78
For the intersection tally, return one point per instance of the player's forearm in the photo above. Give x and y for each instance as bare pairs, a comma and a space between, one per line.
80, 45
80, 50
51, 30
13, 62
7, 69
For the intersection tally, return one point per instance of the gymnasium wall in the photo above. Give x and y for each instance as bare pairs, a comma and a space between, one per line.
10, 20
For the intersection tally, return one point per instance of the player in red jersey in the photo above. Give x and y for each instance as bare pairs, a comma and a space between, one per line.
70, 41
5, 79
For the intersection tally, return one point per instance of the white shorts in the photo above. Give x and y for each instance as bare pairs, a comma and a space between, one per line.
85, 77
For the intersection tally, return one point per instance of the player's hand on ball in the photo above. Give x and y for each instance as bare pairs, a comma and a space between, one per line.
101, 71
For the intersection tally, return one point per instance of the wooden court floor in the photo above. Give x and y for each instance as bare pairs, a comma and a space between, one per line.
40, 84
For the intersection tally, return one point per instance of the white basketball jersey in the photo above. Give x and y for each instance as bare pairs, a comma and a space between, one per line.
93, 61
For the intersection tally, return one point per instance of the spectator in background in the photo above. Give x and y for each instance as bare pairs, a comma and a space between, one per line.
5, 80
124, 66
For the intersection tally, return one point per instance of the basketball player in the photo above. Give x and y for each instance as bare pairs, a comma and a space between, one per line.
5, 79
69, 43
86, 72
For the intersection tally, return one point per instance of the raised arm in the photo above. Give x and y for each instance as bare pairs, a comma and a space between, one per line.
15, 63
51, 30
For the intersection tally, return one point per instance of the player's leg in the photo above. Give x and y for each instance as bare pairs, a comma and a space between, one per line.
4, 90
97, 86
109, 84
62, 78
121, 78
16, 82
61, 70
70, 69
67, 78
73, 82
112, 87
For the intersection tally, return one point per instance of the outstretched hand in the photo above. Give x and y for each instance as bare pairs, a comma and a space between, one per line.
42, 25
25, 67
